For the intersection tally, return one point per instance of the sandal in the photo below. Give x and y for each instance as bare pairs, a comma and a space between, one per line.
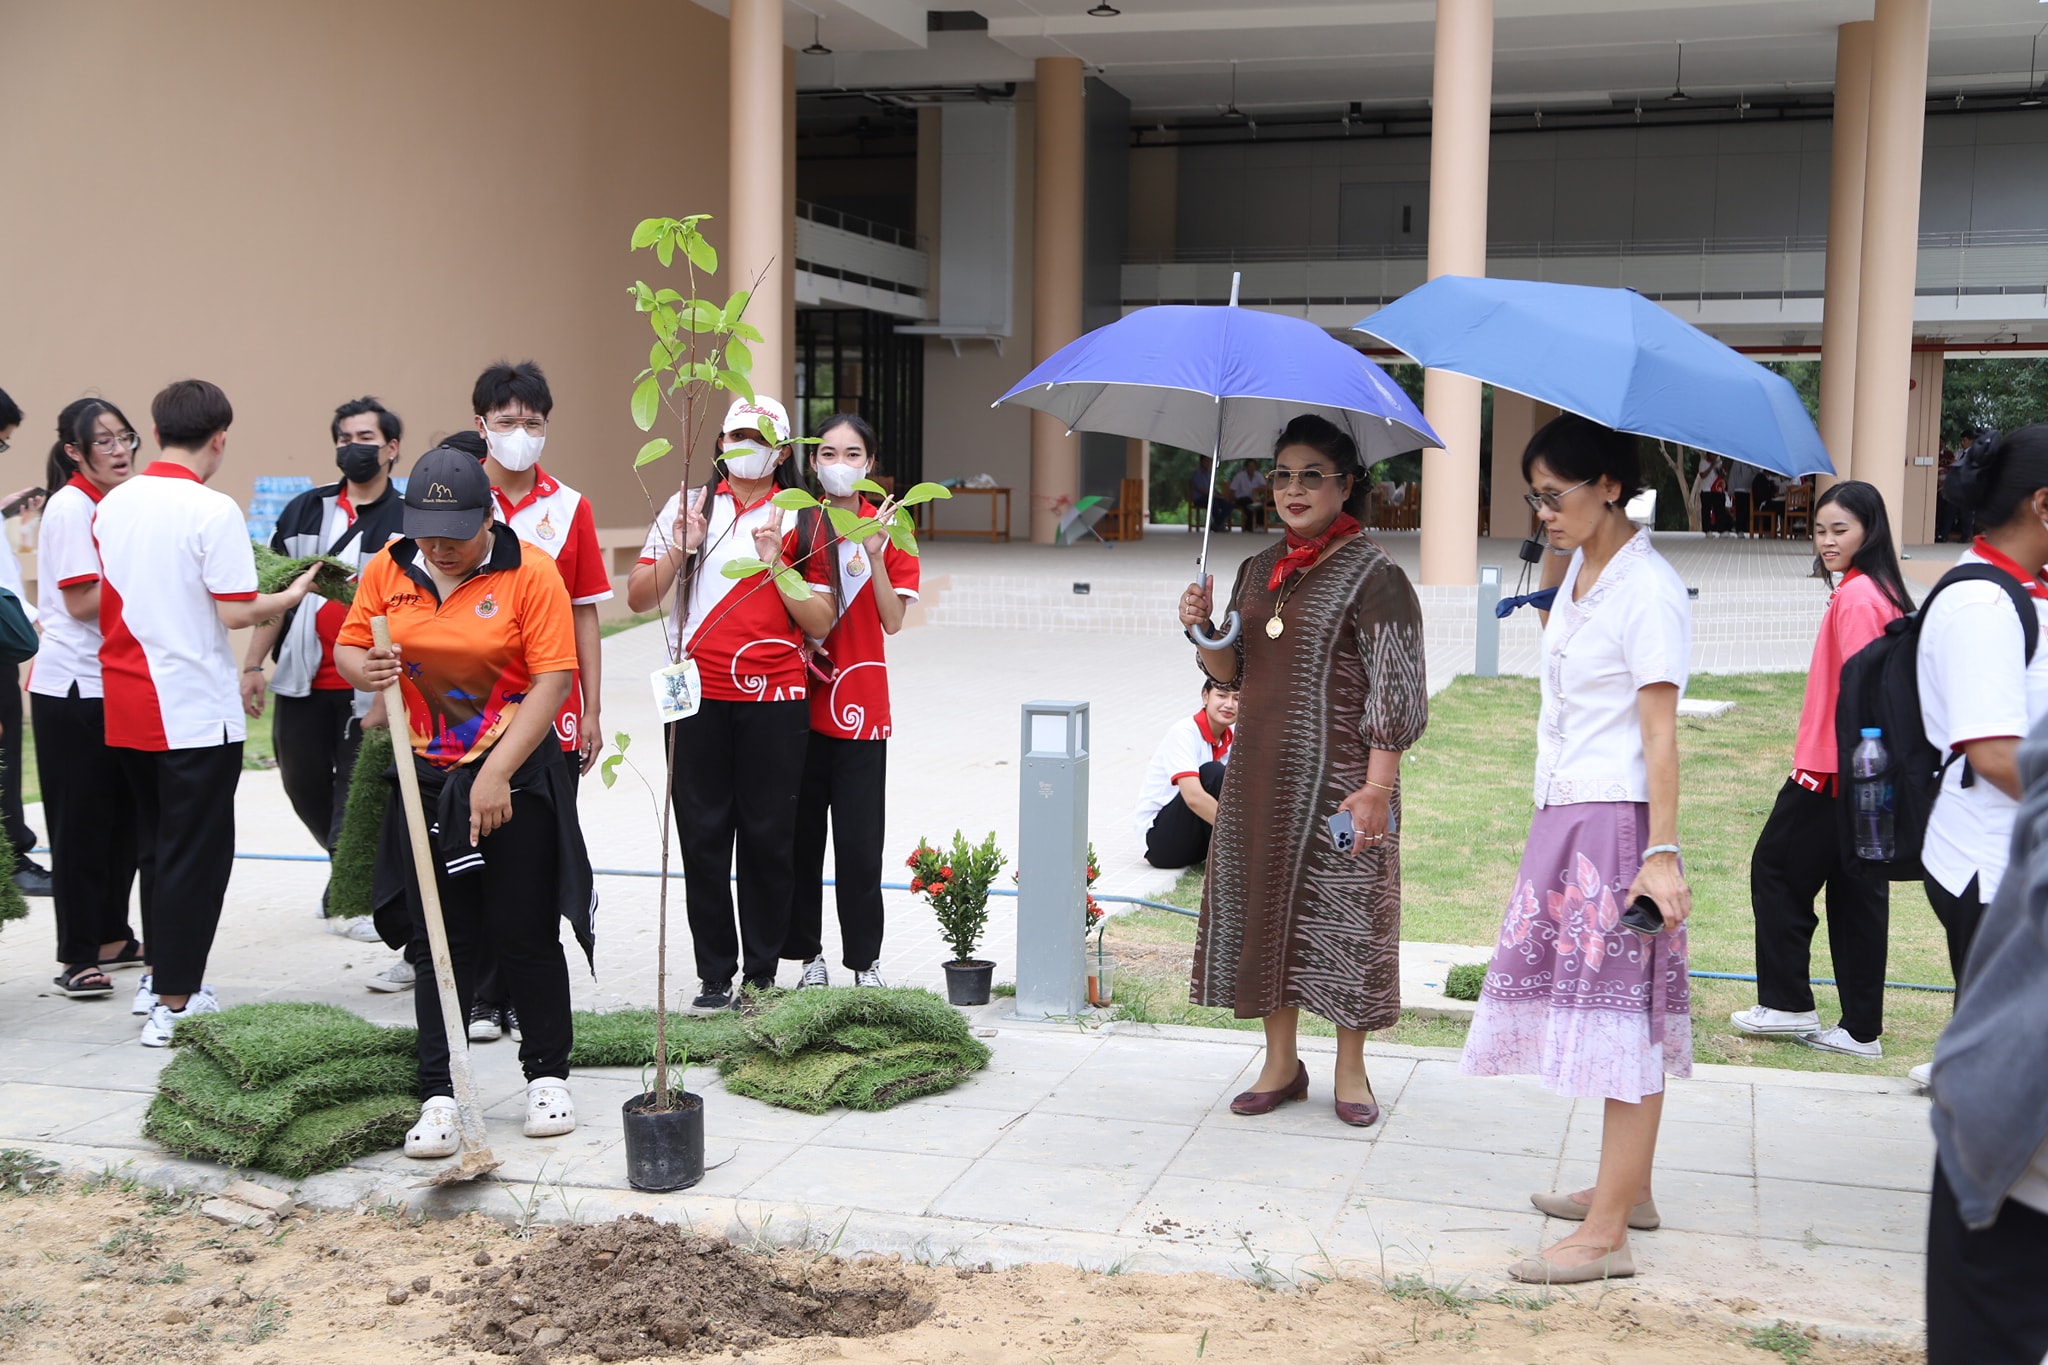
131, 955
437, 1134
84, 982
550, 1110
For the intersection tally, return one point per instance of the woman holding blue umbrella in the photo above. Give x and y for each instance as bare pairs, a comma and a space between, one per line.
1302, 905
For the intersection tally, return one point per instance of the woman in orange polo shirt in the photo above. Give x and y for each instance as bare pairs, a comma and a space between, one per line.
484, 646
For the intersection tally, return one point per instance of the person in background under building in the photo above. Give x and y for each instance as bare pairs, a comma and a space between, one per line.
318, 724
846, 767
1713, 491
1177, 803
31, 878
1741, 480
1248, 494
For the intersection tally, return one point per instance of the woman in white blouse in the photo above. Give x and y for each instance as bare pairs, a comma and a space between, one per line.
1574, 995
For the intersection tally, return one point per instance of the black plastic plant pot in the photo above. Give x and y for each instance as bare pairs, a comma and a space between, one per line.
967, 983
664, 1148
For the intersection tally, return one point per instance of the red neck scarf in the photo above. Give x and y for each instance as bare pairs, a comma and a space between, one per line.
1991, 554
1302, 552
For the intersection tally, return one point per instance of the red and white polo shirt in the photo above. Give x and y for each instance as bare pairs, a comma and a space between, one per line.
855, 704
745, 645
170, 547
555, 519
1187, 745
67, 558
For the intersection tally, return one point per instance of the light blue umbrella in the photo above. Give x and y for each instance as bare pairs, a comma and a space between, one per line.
1610, 355
1225, 380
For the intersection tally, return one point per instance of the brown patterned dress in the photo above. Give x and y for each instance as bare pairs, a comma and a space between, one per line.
1287, 920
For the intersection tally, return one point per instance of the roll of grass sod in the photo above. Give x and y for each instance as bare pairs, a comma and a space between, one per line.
172, 1125
336, 581
1463, 981
352, 876
626, 1037
260, 1045
804, 1018
332, 1137
205, 1089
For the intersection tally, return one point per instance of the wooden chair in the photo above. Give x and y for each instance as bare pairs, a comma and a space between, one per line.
1126, 520
1798, 508
1766, 518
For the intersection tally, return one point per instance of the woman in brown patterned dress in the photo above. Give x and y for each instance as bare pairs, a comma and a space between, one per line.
1333, 690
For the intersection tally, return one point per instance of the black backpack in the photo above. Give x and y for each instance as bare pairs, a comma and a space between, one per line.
1881, 691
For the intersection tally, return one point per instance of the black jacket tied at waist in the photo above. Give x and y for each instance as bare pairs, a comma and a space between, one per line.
444, 792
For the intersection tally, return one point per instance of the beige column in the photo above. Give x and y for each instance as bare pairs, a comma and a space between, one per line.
1891, 246
760, 211
1845, 243
1514, 421
1055, 277
1461, 118
1923, 450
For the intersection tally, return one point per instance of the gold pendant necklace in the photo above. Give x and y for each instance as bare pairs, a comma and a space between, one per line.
1276, 627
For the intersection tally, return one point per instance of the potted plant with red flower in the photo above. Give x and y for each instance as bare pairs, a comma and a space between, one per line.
956, 882
1101, 966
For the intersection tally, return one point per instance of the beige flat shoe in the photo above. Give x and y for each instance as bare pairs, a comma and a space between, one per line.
1615, 1265
1642, 1218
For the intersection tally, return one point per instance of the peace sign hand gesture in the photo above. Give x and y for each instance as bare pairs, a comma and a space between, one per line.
879, 541
688, 530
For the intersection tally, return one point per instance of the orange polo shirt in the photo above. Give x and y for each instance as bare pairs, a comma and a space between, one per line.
469, 660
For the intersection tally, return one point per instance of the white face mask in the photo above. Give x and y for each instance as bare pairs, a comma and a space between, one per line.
748, 459
839, 479
516, 450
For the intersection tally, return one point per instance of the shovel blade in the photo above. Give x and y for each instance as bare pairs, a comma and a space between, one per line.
476, 1163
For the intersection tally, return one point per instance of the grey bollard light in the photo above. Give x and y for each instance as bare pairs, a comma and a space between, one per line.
1052, 861
1486, 644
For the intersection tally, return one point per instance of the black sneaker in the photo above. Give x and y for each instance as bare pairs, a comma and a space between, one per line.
759, 984
716, 996
508, 1019
483, 1023
31, 878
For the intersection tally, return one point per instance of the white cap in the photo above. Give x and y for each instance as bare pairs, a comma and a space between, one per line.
763, 414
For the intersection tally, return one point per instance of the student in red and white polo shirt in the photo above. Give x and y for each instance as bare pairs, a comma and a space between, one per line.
740, 759
178, 574
845, 773
1177, 804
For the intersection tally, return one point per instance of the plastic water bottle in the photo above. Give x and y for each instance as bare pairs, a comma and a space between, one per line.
1871, 788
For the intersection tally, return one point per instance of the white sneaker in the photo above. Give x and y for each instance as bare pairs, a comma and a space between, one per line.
399, 976
550, 1110
872, 976
1839, 1040
156, 1030
814, 974
145, 998
361, 928
438, 1133
1922, 1075
1758, 1019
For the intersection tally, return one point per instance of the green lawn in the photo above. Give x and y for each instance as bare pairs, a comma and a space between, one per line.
257, 752
1467, 807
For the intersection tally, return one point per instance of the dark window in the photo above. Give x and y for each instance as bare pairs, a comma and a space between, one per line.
852, 360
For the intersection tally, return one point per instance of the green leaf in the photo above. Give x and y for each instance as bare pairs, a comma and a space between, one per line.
869, 486
643, 296
737, 357
665, 249
668, 296
704, 316
622, 741
646, 402
732, 381
902, 528
647, 230
844, 522
794, 500
924, 492
652, 451
735, 307
702, 255
663, 321
745, 331
792, 584
743, 567
608, 771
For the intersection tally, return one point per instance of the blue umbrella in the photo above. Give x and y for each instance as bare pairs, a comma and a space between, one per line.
1225, 380
1610, 355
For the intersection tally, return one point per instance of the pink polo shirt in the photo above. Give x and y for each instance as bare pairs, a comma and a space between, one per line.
1857, 614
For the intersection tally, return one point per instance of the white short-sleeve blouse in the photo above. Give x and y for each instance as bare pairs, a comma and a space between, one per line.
1633, 628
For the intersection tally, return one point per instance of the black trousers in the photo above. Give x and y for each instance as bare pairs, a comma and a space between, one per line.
491, 990
185, 813
1179, 837
93, 830
1714, 512
1798, 855
1958, 916
12, 821
1985, 1304
1743, 504
508, 904
1253, 510
845, 779
739, 765
316, 737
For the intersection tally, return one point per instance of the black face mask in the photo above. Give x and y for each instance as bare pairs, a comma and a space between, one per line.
359, 463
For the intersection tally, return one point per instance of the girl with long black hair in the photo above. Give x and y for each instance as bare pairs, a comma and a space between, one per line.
1798, 855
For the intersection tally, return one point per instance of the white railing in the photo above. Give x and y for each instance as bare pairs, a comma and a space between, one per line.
859, 251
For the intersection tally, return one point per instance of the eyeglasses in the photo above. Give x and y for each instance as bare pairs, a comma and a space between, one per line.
107, 445
1553, 501
1308, 480
6, 446
532, 426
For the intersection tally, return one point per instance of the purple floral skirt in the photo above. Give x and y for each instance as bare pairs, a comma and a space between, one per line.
1596, 1010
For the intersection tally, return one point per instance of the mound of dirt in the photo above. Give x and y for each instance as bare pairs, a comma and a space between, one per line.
635, 1287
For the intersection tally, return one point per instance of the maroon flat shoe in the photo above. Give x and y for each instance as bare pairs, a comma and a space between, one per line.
1359, 1115
1255, 1102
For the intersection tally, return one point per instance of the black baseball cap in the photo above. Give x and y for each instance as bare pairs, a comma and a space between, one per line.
446, 495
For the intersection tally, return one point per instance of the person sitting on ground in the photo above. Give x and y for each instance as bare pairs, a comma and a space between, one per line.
1177, 803
484, 647
1248, 494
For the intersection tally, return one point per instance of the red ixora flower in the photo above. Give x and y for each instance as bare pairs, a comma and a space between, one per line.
946, 872
917, 883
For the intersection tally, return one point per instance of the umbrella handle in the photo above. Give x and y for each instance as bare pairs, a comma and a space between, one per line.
1233, 626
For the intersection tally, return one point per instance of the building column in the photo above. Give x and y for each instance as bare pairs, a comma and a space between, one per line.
1515, 419
1923, 450
759, 208
1891, 248
1059, 173
1845, 244
1461, 121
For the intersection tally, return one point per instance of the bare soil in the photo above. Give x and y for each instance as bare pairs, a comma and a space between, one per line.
107, 1274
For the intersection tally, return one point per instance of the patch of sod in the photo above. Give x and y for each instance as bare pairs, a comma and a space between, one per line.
804, 1083
806, 1018
259, 1045
893, 1075
334, 1136
1463, 981
336, 581
205, 1089
626, 1037
352, 876
172, 1125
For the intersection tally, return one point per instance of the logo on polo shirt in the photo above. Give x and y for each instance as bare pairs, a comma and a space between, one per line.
488, 607
546, 529
855, 565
